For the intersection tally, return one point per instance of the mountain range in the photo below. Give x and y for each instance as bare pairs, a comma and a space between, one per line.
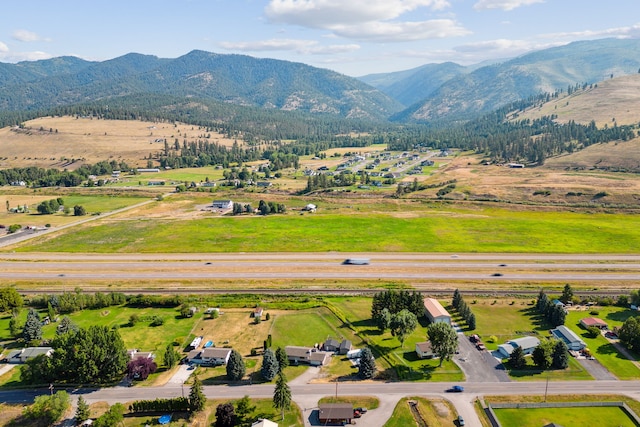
430, 93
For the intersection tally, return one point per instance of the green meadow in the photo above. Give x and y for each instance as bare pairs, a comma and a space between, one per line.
426, 229
589, 416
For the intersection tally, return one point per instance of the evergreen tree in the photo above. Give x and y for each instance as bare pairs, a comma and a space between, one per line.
560, 355
367, 366
32, 330
444, 340
282, 394
567, 294
456, 299
270, 366
283, 360
516, 359
235, 366
82, 411
197, 398
225, 415
471, 322
171, 357
66, 325
244, 408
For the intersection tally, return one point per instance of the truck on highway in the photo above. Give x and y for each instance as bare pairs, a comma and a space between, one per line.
356, 261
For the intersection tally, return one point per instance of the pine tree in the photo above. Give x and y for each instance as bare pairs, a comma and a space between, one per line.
516, 359
560, 355
171, 357
66, 325
367, 367
282, 394
82, 411
471, 321
235, 366
283, 360
196, 396
33, 327
270, 366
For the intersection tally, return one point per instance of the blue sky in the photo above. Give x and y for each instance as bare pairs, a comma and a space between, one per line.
354, 37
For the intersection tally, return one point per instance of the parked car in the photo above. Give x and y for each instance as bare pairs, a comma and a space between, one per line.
456, 389
460, 420
361, 410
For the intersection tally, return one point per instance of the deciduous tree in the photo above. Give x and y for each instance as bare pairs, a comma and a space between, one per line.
444, 340
403, 324
48, 408
225, 415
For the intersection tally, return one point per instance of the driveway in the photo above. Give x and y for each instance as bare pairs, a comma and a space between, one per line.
478, 366
181, 375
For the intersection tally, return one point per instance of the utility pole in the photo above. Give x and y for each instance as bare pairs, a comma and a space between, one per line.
546, 388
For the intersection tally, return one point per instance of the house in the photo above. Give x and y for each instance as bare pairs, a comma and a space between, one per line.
527, 344
345, 347
264, 423
194, 356
222, 204
424, 350
264, 184
21, 356
588, 322
435, 312
310, 208
570, 338
137, 354
147, 170
215, 356
257, 312
331, 345
307, 355
335, 413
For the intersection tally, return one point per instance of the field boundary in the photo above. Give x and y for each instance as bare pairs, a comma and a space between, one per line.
530, 405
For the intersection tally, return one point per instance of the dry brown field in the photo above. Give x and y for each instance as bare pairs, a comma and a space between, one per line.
49, 142
617, 98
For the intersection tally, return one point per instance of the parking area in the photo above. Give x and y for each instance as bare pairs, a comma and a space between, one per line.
478, 365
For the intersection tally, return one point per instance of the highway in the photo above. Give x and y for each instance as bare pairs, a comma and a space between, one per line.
496, 268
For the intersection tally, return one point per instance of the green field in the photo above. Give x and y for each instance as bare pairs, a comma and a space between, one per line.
578, 417
426, 228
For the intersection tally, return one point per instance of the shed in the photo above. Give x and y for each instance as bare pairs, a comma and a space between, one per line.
257, 312
435, 312
345, 347
572, 340
335, 413
331, 345
424, 350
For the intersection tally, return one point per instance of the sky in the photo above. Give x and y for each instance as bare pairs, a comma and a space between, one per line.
352, 37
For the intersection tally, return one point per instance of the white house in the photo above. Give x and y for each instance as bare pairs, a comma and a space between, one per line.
222, 204
424, 350
264, 423
215, 356
435, 312
570, 338
527, 344
21, 356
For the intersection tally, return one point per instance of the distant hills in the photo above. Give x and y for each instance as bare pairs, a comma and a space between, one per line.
235, 79
427, 94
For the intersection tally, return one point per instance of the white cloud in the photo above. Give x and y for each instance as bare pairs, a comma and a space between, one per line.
26, 36
365, 19
504, 4
7, 56
326, 13
632, 31
3, 48
298, 46
402, 31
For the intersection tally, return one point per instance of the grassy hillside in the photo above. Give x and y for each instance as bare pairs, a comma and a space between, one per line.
49, 142
610, 102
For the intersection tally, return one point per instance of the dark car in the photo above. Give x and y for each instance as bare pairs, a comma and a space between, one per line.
456, 389
497, 274
361, 410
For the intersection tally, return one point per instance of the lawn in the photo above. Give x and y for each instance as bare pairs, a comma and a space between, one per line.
589, 416
599, 346
473, 230
390, 351
436, 412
